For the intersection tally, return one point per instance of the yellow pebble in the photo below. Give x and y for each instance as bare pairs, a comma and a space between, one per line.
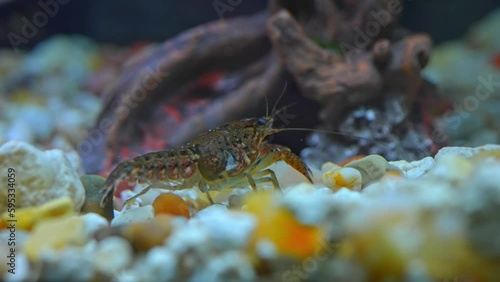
27, 218
347, 177
55, 234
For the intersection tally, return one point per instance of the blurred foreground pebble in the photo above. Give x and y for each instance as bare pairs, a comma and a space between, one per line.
428, 220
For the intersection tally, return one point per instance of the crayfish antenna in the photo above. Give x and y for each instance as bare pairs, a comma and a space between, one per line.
332, 132
277, 101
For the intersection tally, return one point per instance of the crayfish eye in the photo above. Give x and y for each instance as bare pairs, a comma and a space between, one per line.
261, 121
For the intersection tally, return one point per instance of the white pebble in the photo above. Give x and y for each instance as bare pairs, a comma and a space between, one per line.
40, 176
93, 222
134, 215
227, 229
310, 204
190, 237
159, 264
112, 255
466, 152
229, 266
416, 168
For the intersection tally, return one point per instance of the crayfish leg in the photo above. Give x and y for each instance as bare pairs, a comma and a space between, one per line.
263, 176
206, 189
209, 197
275, 153
251, 180
131, 199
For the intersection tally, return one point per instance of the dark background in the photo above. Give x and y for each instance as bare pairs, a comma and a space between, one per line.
128, 21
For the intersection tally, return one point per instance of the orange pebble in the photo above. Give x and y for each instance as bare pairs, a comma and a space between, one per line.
279, 226
171, 204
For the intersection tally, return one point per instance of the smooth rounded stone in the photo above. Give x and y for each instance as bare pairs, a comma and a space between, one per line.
112, 255
416, 168
93, 194
132, 215
466, 152
371, 167
27, 218
55, 234
228, 266
40, 176
92, 223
